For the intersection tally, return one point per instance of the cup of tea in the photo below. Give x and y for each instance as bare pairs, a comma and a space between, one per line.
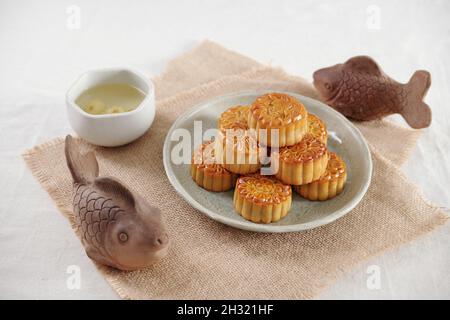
111, 107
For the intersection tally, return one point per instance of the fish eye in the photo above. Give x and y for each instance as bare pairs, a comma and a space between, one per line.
327, 86
123, 237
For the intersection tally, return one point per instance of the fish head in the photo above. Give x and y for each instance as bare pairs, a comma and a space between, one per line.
136, 237
137, 240
328, 81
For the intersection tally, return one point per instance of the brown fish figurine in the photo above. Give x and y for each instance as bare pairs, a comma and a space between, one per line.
118, 228
360, 90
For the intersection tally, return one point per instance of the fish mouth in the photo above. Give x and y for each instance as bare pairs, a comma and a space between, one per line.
151, 257
161, 253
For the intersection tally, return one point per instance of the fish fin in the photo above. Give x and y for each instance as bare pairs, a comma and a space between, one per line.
364, 64
116, 190
83, 167
416, 112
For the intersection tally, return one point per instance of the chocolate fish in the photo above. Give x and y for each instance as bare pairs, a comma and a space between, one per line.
118, 228
360, 90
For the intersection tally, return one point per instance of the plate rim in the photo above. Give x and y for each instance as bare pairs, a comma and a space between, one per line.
251, 226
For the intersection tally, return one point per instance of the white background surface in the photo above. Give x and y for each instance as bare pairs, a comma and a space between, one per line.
40, 57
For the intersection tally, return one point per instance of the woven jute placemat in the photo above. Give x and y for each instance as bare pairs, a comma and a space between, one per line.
208, 260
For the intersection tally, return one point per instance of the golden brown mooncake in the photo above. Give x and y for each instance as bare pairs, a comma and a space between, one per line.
330, 184
301, 163
262, 198
317, 128
234, 118
239, 151
208, 173
280, 112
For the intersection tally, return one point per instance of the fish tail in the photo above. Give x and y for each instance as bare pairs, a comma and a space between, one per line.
83, 167
416, 112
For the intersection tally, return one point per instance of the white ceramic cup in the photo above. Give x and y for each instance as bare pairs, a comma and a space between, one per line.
111, 130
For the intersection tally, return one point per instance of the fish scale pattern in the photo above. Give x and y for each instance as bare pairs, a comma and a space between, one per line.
93, 213
358, 88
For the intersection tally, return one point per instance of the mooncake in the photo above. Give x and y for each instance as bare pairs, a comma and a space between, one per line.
234, 118
301, 163
208, 173
238, 150
262, 198
330, 184
281, 114
317, 128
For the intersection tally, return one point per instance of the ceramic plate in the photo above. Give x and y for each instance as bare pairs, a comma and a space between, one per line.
344, 139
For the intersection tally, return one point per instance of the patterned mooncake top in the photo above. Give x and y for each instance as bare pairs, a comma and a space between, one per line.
309, 148
263, 190
234, 118
317, 128
276, 110
204, 159
335, 168
244, 141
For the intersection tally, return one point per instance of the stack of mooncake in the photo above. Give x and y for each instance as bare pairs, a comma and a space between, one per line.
263, 151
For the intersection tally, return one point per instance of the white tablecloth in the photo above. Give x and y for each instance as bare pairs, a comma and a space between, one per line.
43, 49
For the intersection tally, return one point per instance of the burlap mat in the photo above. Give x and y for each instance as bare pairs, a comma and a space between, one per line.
209, 260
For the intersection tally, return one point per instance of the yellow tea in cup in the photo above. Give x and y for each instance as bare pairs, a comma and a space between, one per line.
110, 98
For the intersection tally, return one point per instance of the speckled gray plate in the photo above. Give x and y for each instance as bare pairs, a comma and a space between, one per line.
343, 138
